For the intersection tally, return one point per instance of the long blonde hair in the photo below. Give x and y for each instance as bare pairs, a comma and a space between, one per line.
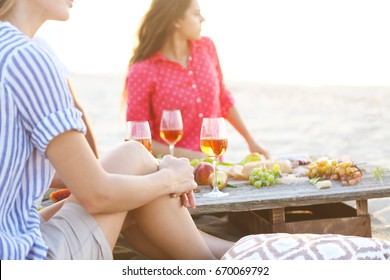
5, 6
155, 28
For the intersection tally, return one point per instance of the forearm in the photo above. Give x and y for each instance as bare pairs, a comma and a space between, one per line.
102, 187
117, 182
235, 120
127, 193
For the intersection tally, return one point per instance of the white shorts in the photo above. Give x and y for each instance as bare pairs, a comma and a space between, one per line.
72, 233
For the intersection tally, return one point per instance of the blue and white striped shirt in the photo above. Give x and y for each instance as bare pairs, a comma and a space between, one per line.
35, 107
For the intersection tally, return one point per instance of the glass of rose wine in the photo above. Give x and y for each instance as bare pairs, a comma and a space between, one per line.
214, 142
139, 131
171, 128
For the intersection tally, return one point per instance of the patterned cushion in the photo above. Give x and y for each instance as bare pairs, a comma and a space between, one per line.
284, 246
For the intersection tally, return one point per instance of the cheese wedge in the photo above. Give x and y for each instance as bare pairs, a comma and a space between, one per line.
326, 184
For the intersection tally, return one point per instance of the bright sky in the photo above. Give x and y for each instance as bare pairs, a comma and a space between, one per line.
309, 42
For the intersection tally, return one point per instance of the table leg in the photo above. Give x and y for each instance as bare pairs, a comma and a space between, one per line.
277, 215
362, 210
361, 207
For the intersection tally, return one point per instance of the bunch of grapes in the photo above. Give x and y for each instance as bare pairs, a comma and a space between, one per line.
261, 176
347, 172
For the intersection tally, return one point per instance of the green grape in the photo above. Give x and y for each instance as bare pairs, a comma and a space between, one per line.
258, 184
194, 162
262, 176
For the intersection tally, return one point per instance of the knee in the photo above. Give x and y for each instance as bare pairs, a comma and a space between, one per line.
130, 158
142, 159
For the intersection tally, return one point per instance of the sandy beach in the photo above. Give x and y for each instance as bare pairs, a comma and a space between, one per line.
336, 121
324, 120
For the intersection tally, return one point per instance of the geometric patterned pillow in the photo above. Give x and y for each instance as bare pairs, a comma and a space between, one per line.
285, 246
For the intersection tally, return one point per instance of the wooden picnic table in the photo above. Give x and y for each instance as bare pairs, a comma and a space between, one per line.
298, 207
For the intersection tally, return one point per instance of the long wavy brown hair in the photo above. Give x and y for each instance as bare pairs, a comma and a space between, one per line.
155, 28
5, 6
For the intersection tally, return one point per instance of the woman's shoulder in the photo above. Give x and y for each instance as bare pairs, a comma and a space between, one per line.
143, 69
205, 44
144, 64
147, 65
19, 47
204, 41
13, 39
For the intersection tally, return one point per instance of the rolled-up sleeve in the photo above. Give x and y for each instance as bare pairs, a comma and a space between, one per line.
56, 124
45, 104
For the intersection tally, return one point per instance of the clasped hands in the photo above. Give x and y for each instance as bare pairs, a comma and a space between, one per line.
181, 178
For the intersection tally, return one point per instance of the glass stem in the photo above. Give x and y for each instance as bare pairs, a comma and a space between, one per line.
215, 175
171, 146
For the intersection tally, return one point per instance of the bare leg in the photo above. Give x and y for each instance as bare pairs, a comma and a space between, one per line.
120, 160
168, 227
137, 240
140, 242
217, 245
164, 222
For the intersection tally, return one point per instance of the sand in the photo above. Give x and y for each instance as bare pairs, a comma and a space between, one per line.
331, 120
337, 121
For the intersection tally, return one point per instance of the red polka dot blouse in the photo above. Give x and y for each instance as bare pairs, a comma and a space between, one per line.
158, 84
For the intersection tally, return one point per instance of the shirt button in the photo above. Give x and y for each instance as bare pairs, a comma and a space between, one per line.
190, 58
200, 115
198, 100
190, 72
193, 85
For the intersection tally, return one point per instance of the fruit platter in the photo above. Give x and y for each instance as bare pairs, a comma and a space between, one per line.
259, 172
293, 193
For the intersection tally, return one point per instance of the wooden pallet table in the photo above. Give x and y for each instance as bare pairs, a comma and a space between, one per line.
299, 207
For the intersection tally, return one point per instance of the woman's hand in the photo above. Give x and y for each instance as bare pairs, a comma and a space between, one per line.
180, 176
255, 147
187, 199
235, 120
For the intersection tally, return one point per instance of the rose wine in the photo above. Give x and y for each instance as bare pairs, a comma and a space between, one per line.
171, 136
147, 142
213, 147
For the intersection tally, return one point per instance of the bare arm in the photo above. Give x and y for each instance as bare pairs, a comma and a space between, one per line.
235, 120
57, 182
89, 135
101, 192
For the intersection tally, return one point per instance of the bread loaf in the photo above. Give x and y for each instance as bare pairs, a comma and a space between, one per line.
235, 172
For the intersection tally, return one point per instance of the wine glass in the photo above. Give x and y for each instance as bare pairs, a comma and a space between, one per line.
171, 128
213, 142
139, 131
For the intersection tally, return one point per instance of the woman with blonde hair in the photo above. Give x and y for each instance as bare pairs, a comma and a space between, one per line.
42, 131
172, 68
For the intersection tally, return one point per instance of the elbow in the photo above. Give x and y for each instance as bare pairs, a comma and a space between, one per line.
95, 203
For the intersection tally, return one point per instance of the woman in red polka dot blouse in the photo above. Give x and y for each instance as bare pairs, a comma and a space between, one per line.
173, 67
